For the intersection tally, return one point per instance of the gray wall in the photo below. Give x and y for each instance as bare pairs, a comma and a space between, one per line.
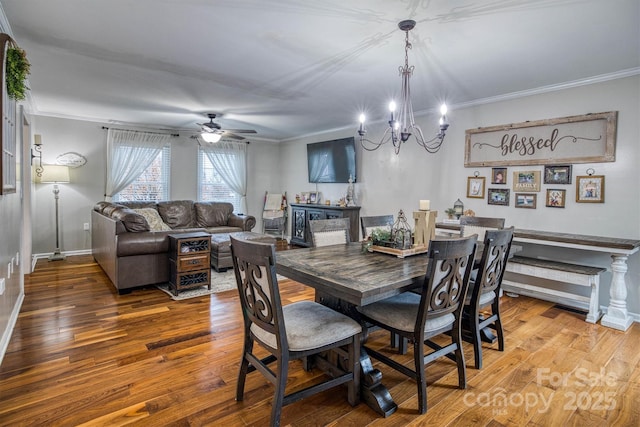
388, 183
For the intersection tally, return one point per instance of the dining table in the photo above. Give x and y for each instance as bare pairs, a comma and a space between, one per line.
345, 277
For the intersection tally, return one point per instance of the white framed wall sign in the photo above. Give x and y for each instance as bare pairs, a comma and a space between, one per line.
589, 138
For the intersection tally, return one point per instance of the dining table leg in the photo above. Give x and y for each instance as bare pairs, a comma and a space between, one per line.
372, 391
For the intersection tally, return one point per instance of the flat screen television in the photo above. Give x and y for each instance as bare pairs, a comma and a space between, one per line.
332, 161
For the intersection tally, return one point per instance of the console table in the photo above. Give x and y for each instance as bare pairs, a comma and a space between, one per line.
617, 316
303, 213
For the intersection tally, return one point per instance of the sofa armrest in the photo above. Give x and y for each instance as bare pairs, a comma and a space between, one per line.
246, 222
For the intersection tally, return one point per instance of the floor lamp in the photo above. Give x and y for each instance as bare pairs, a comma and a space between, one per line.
55, 174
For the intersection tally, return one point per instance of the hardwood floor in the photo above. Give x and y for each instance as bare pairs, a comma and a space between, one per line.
82, 355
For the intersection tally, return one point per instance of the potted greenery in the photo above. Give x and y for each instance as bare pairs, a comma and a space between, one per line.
450, 213
17, 69
380, 237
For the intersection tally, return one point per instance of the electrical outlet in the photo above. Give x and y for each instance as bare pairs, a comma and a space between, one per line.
86, 226
1, 286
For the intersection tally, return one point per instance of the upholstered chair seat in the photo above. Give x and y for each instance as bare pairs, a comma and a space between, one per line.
310, 325
401, 311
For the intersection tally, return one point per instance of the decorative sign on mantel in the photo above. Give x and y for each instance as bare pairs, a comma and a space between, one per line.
590, 138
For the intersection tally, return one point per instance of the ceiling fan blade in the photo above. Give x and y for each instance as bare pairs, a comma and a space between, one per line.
240, 130
232, 136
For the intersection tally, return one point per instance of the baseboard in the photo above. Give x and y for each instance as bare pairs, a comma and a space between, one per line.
36, 257
6, 335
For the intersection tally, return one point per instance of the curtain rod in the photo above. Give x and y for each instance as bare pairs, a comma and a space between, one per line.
144, 131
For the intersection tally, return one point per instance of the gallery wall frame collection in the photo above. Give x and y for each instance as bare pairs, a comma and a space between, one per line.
526, 183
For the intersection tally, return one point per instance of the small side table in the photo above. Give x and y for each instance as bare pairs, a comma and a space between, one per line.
189, 258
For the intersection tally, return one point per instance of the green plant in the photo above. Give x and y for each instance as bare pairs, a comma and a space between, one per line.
379, 235
17, 69
450, 212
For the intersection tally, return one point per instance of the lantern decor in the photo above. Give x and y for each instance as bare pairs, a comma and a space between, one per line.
401, 232
458, 207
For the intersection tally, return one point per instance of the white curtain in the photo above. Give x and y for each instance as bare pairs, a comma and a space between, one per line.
129, 153
229, 159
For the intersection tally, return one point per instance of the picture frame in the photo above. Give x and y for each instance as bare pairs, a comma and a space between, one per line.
525, 200
498, 196
475, 187
526, 181
590, 189
313, 197
499, 175
560, 174
556, 198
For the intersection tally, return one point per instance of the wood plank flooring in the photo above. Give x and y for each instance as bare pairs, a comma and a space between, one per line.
83, 355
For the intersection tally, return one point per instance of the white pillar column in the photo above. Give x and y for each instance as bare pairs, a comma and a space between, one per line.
617, 316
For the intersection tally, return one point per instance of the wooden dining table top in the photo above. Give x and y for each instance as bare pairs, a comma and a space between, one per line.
345, 272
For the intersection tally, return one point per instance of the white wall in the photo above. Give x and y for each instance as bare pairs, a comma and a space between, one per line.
88, 182
387, 183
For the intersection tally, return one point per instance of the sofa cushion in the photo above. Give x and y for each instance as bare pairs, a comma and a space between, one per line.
131, 220
99, 207
213, 214
177, 213
111, 208
153, 218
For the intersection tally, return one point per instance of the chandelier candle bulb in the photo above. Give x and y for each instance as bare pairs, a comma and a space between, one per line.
425, 205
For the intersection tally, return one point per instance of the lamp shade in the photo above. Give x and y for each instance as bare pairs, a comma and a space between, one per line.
54, 174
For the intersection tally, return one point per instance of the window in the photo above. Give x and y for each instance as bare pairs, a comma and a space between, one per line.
153, 184
211, 187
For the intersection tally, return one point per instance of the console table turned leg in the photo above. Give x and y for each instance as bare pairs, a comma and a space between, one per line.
617, 316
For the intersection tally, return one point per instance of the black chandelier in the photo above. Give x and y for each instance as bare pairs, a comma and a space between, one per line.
403, 125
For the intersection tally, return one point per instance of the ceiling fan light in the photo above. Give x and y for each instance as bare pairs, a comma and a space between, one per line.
210, 137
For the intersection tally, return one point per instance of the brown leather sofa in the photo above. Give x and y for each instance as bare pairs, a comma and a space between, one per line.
133, 253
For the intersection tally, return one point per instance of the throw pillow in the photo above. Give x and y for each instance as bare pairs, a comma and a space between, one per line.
153, 218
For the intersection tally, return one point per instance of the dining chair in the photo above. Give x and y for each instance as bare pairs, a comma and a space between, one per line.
436, 310
484, 291
294, 331
325, 232
370, 223
470, 225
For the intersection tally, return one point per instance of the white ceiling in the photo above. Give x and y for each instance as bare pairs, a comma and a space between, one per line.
289, 68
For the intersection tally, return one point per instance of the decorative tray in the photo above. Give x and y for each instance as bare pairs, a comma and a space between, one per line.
400, 253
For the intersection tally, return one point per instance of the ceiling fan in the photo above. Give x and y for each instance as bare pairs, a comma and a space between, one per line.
213, 132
